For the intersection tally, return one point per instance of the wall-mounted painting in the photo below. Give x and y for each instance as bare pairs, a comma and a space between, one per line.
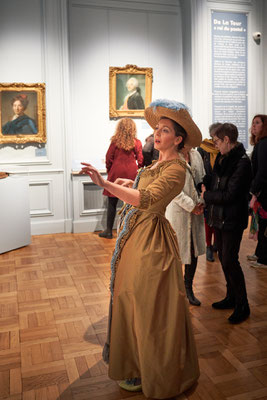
130, 90
22, 113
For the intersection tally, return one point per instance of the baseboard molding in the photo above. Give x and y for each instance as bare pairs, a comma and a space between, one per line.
91, 225
87, 226
67, 226
48, 227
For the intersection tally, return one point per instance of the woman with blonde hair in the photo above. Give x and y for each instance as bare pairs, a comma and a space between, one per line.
123, 158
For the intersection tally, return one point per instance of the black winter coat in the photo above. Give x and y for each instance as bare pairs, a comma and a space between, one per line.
259, 169
206, 160
227, 197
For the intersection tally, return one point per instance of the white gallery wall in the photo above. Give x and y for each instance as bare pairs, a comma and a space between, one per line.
116, 33
31, 47
70, 45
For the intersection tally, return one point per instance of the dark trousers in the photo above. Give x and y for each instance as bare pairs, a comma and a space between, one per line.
228, 244
111, 213
190, 269
261, 249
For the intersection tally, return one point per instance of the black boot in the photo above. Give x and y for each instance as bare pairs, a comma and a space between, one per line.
224, 304
209, 254
240, 314
106, 234
191, 297
189, 273
111, 213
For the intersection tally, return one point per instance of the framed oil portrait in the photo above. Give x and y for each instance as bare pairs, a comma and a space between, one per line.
130, 90
22, 113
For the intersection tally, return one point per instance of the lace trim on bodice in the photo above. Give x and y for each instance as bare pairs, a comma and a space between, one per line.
152, 172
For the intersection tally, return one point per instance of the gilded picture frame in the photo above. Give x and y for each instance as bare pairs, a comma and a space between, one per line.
130, 90
22, 113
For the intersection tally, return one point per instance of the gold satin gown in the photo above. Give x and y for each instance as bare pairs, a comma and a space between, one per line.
151, 335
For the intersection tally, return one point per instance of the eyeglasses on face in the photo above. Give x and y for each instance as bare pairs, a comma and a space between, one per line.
216, 141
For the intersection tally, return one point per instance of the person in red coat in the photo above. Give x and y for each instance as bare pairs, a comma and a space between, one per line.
123, 159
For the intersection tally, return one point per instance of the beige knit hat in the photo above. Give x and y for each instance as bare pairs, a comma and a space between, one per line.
177, 112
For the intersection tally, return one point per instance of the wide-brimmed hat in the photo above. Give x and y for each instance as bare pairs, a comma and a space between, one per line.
178, 112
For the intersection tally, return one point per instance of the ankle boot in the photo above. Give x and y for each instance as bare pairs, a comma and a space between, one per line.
224, 304
240, 314
191, 297
189, 274
106, 234
209, 254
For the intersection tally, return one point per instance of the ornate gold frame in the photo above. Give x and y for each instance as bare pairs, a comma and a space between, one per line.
128, 70
40, 136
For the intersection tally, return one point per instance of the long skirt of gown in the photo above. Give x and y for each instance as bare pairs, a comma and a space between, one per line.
151, 333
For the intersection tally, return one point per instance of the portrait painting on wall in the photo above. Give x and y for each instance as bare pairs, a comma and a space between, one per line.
22, 113
130, 90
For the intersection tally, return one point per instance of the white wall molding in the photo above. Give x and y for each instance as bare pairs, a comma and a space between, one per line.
239, 2
66, 107
229, 6
200, 66
29, 173
155, 6
68, 226
90, 213
46, 192
87, 217
29, 162
47, 227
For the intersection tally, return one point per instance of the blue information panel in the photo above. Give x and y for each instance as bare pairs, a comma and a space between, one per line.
229, 70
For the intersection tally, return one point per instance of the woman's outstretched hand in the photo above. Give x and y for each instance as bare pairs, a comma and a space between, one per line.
122, 190
94, 174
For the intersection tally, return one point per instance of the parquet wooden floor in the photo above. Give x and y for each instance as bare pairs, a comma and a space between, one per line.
53, 315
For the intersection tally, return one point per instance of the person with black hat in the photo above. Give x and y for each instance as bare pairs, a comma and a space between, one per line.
150, 343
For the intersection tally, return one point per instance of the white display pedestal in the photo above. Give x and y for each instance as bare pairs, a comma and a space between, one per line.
15, 228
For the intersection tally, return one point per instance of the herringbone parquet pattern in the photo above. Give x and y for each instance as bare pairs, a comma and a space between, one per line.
53, 314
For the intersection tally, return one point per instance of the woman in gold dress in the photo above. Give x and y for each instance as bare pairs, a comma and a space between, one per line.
150, 340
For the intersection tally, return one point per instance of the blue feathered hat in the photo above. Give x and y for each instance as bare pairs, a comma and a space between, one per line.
178, 112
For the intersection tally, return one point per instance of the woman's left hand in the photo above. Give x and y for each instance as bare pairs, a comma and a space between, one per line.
198, 209
124, 182
94, 174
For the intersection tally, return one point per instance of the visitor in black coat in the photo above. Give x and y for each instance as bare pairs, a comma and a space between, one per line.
226, 197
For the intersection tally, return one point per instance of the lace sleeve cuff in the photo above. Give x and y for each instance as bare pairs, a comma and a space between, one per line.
144, 198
